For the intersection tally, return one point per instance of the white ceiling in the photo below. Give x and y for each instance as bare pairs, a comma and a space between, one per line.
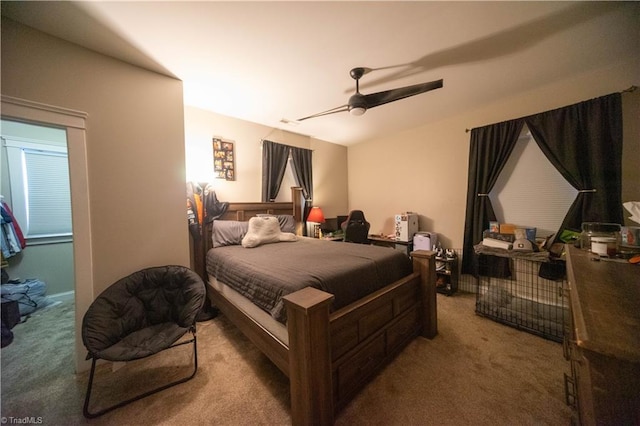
265, 61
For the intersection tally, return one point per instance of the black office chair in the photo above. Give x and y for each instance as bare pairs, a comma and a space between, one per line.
140, 315
356, 228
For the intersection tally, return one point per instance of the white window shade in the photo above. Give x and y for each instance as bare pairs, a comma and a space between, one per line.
40, 191
530, 192
49, 197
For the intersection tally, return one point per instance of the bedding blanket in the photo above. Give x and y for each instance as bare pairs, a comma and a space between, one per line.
266, 273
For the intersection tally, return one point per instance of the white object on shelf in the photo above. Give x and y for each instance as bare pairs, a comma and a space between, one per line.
406, 225
425, 240
492, 242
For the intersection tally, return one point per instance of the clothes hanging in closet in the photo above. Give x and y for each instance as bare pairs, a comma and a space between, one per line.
12, 237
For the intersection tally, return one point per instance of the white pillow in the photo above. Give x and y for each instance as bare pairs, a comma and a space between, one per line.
287, 221
265, 230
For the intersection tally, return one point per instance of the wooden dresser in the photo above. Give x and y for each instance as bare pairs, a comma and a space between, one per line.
602, 340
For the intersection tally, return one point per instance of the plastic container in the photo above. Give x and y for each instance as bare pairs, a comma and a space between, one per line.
630, 236
592, 230
604, 246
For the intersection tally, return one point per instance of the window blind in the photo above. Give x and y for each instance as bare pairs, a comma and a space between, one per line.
40, 191
530, 192
48, 193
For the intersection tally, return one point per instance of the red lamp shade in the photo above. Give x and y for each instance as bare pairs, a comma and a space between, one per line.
315, 215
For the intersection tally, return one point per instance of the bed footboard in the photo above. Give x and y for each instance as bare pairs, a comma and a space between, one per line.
332, 356
310, 357
424, 263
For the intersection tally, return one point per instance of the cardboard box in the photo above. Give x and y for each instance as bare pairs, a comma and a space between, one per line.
507, 228
406, 225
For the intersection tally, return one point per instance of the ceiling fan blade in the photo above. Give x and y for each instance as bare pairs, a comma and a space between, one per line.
331, 111
381, 98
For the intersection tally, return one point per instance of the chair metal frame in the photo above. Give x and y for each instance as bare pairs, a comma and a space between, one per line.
90, 415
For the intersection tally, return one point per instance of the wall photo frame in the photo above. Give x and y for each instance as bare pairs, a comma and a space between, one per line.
224, 159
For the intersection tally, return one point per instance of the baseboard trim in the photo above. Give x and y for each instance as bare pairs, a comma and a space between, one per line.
62, 297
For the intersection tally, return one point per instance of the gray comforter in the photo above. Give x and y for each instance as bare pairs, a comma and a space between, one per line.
266, 273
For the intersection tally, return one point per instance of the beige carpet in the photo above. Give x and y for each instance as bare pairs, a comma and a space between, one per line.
475, 372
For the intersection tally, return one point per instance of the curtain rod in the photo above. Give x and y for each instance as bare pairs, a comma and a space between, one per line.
284, 144
264, 138
629, 90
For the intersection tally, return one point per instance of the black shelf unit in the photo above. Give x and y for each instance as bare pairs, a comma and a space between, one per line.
446, 275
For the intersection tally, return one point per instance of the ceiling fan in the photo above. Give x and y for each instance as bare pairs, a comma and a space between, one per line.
358, 103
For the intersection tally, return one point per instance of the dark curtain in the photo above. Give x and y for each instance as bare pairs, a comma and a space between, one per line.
274, 163
490, 148
302, 168
584, 142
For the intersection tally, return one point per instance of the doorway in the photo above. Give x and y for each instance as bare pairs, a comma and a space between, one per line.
35, 186
74, 124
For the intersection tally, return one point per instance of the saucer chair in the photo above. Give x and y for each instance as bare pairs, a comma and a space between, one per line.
356, 228
140, 315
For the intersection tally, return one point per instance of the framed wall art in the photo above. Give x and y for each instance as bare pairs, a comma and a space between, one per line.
223, 159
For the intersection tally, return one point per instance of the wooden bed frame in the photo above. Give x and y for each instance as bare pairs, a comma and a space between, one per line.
332, 355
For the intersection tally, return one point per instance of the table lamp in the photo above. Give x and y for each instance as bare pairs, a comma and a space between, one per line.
316, 216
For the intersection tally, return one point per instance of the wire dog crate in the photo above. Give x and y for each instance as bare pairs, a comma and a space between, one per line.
511, 291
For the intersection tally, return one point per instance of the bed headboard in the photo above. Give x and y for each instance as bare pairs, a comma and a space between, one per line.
243, 211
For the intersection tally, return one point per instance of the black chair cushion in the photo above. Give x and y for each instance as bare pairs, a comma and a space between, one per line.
357, 232
356, 228
145, 342
143, 313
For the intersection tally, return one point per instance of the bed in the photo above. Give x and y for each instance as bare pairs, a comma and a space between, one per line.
328, 351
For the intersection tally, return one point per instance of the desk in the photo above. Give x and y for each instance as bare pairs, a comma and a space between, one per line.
403, 246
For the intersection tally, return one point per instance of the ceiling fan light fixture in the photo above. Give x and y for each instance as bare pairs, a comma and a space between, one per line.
289, 122
359, 104
357, 111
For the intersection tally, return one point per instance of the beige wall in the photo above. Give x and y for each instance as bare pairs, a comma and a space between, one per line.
135, 136
50, 263
135, 148
329, 160
425, 169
